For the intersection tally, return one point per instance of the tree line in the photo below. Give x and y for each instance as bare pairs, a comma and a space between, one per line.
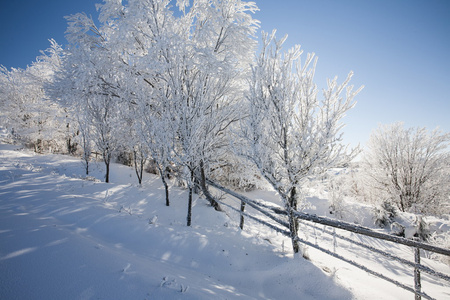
187, 85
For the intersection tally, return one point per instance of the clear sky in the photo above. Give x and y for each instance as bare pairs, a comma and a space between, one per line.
398, 49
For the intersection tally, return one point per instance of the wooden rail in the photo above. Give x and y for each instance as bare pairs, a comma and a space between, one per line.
274, 211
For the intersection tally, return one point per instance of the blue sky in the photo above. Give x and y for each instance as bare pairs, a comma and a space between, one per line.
398, 49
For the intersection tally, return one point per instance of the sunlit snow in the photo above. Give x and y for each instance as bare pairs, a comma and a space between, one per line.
64, 236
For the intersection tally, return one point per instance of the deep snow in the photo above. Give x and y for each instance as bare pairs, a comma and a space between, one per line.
65, 236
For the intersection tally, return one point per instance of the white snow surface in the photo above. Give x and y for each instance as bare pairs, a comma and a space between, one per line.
65, 236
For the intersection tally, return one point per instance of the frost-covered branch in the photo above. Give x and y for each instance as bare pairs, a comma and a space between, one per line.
291, 133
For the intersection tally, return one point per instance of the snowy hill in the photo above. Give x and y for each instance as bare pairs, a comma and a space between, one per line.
68, 237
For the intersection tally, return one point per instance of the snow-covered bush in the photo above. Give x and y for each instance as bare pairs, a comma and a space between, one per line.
384, 214
151, 167
408, 167
397, 229
341, 185
441, 239
125, 158
336, 195
236, 173
422, 229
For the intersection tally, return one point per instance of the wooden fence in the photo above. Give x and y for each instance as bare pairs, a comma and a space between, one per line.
277, 214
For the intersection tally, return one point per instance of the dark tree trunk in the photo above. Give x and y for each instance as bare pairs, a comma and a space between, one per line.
196, 185
139, 166
107, 159
107, 172
163, 175
293, 221
205, 191
69, 146
189, 215
293, 228
166, 188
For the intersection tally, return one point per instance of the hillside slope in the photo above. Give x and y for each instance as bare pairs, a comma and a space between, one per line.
65, 236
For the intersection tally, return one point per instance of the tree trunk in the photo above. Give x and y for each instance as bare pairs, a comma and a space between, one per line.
293, 228
166, 188
205, 191
293, 221
107, 159
139, 166
402, 205
69, 145
107, 172
189, 215
163, 175
141, 171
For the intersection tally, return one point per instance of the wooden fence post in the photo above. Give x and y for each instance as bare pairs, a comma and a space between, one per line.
241, 223
417, 284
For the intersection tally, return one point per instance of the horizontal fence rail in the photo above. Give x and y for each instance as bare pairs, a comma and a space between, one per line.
369, 232
273, 211
386, 254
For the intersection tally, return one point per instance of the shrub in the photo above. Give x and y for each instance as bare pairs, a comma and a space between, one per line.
384, 214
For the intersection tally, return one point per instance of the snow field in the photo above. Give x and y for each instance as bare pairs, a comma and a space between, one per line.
64, 237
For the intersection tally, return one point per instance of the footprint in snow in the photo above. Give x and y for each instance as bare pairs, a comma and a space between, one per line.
171, 283
126, 269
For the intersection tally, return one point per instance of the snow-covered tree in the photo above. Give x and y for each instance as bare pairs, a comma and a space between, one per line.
139, 32
84, 137
154, 128
409, 167
208, 76
292, 134
133, 145
53, 122
27, 110
15, 113
91, 85
192, 64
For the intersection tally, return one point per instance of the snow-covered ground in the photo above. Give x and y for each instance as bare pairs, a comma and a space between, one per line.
64, 236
